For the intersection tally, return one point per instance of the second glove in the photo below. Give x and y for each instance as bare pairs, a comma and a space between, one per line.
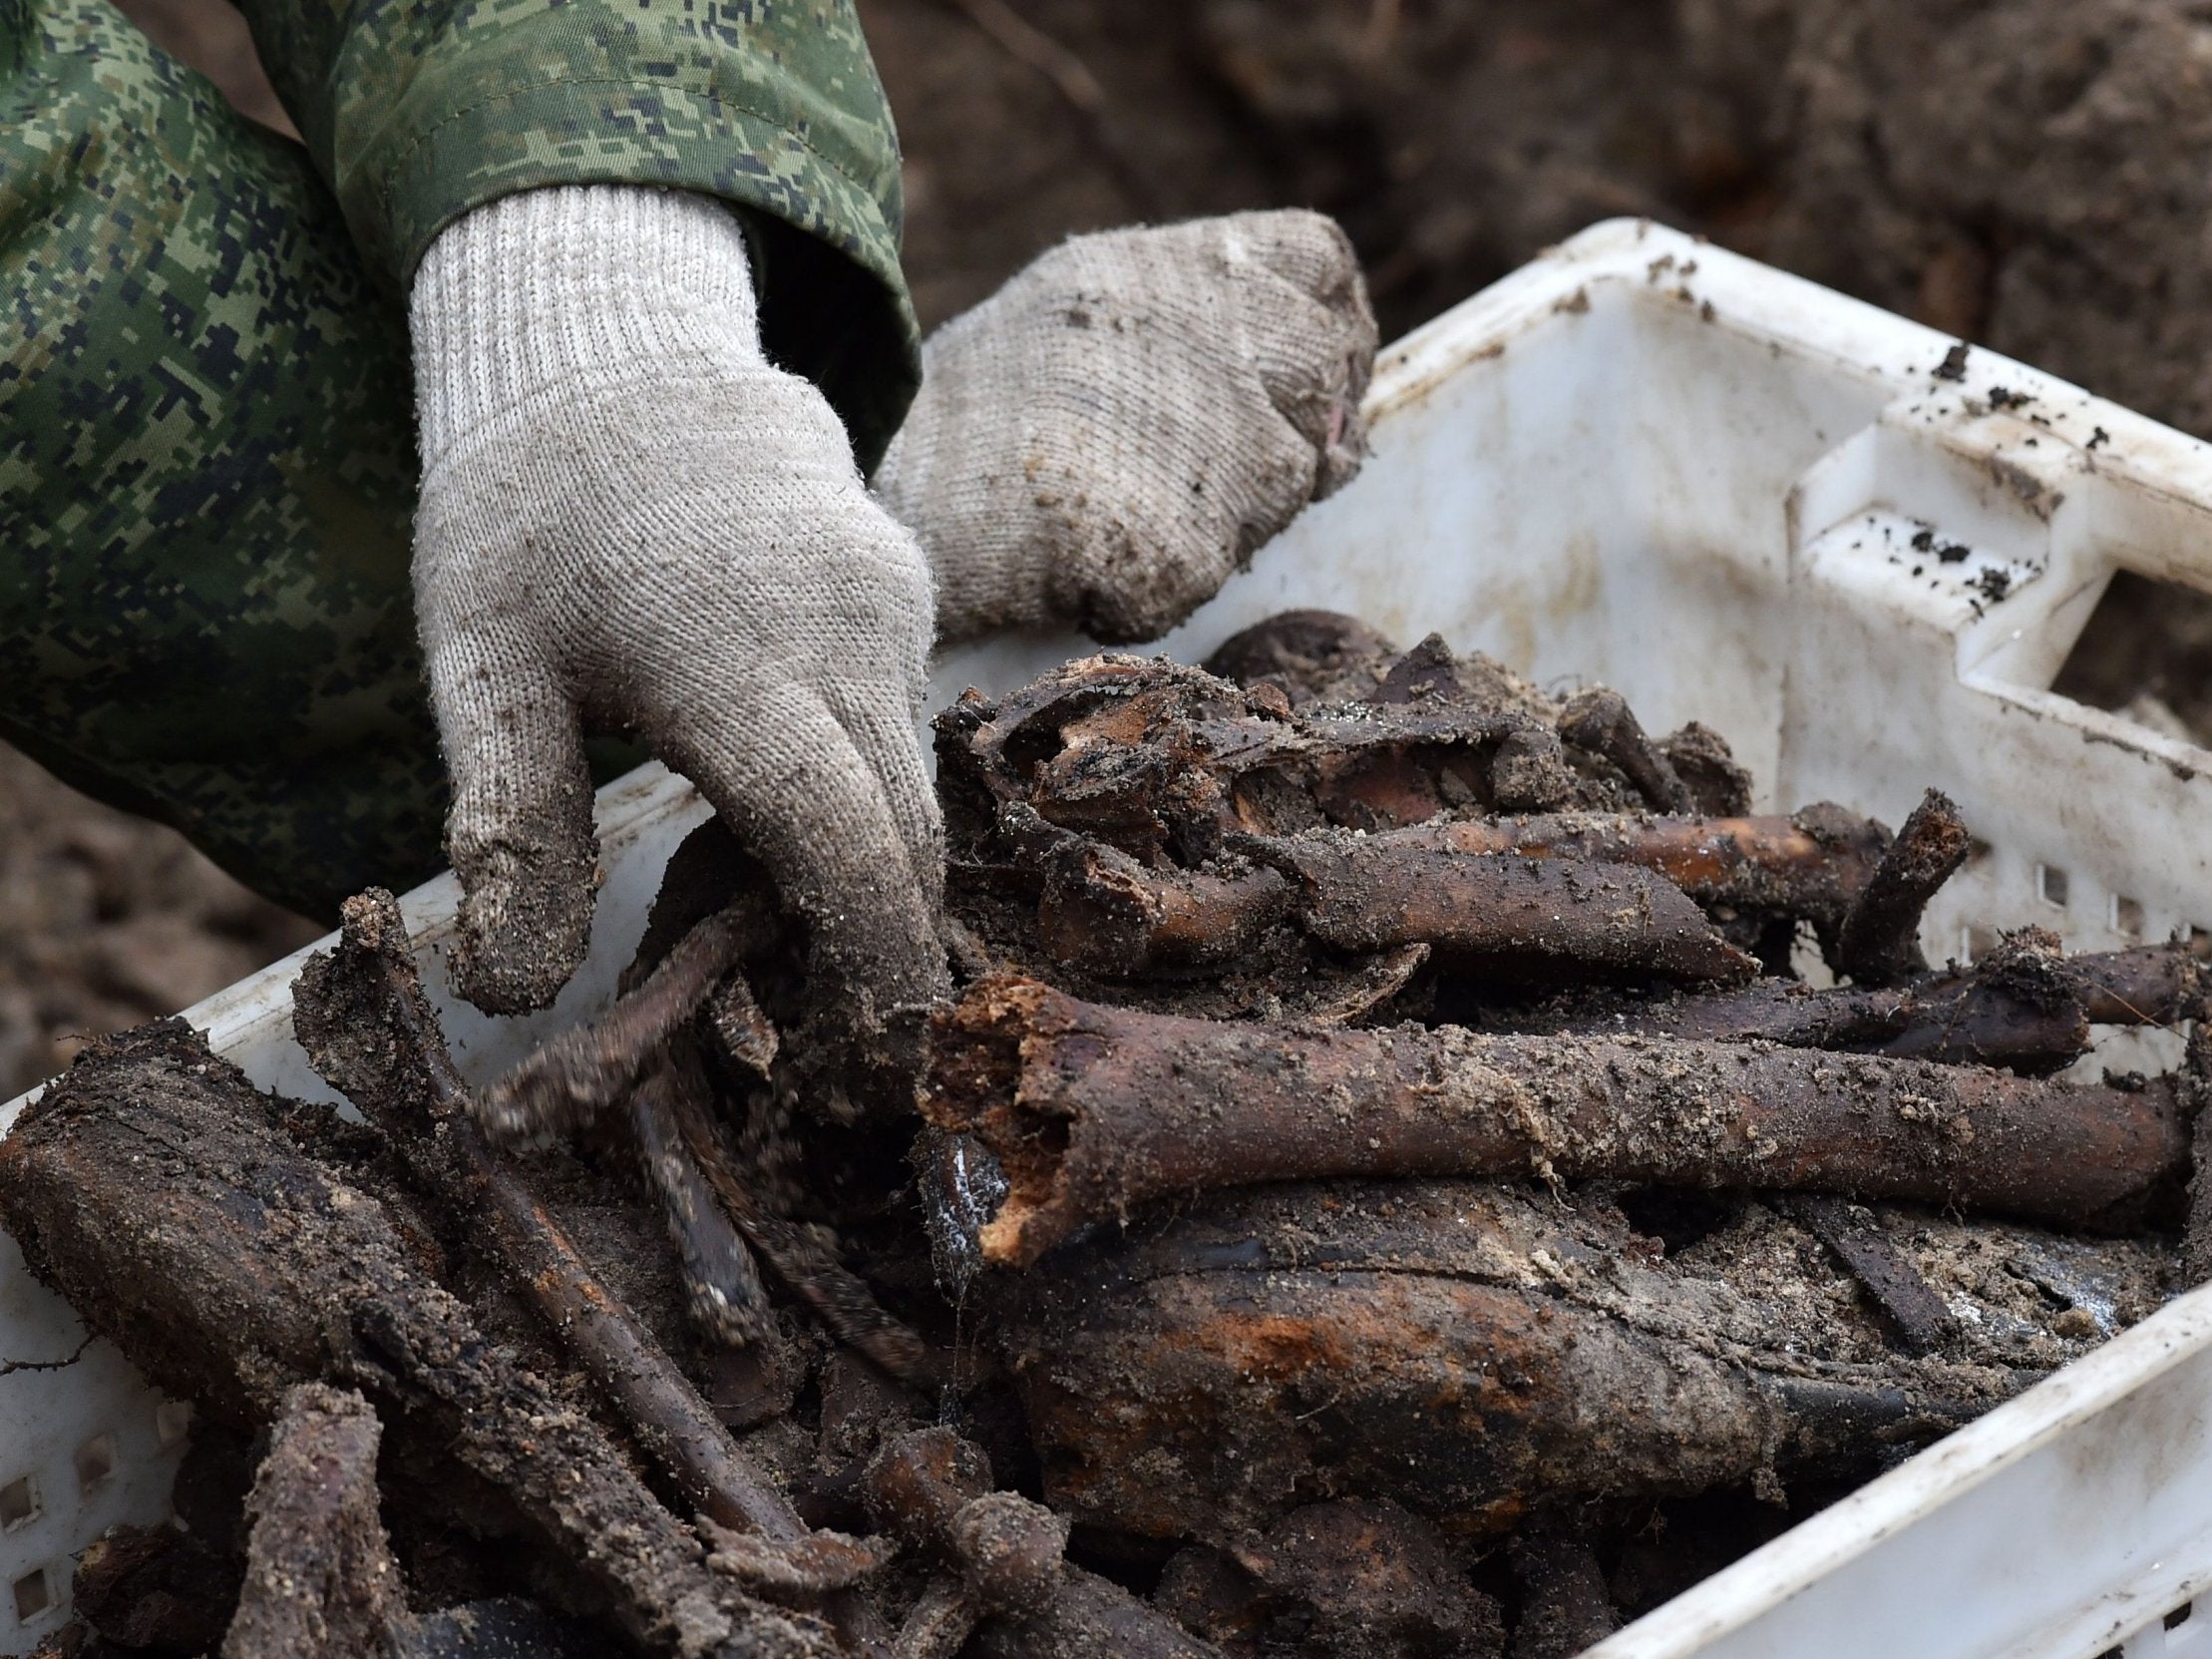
1103, 441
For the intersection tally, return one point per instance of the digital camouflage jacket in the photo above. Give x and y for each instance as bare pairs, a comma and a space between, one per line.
207, 450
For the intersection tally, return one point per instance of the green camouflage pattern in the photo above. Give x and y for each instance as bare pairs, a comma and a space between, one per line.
416, 112
207, 451
206, 475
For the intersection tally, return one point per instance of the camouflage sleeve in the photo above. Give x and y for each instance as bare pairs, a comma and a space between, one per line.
416, 114
206, 474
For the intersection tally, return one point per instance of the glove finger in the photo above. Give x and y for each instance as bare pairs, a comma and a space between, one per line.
1313, 364
883, 730
1306, 250
1286, 474
1312, 337
520, 833
789, 779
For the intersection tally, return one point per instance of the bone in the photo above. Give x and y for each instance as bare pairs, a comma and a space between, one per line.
1502, 914
1093, 1111
935, 1489
589, 1068
1152, 758
1487, 1356
403, 1081
807, 1268
1879, 940
320, 1580
2027, 1006
1918, 1313
1587, 890
1366, 992
1301, 650
940, 1624
821, 1564
1701, 758
722, 1288
1480, 913
1813, 864
1104, 911
1601, 721
154, 1191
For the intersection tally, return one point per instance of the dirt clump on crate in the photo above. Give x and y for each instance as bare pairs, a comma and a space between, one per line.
1389, 1184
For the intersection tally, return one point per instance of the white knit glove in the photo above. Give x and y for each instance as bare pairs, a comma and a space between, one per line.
1108, 437
628, 514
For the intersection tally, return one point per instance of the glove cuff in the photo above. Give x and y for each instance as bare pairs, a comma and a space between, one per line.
566, 287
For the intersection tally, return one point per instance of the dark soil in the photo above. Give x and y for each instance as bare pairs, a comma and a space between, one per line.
2024, 173
2147, 653
108, 921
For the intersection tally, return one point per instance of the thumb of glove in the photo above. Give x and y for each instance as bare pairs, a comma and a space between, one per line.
520, 832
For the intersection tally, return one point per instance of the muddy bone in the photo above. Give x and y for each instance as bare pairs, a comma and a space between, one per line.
1154, 758
360, 1014
722, 1285
320, 1580
1012, 1583
592, 1066
1879, 939
1093, 1111
1503, 914
1609, 894
1483, 1355
1481, 914
1813, 864
1160, 761
2026, 1006
155, 1191
1601, 721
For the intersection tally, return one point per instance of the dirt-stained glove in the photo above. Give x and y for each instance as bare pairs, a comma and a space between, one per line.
629, 515
1108, 437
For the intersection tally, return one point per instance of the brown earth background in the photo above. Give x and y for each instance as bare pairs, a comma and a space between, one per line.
2031, 175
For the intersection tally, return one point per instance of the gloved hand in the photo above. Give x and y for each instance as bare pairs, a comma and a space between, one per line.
1103, 441
628, 513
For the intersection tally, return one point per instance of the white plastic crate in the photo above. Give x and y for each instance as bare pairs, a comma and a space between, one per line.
1644, 459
